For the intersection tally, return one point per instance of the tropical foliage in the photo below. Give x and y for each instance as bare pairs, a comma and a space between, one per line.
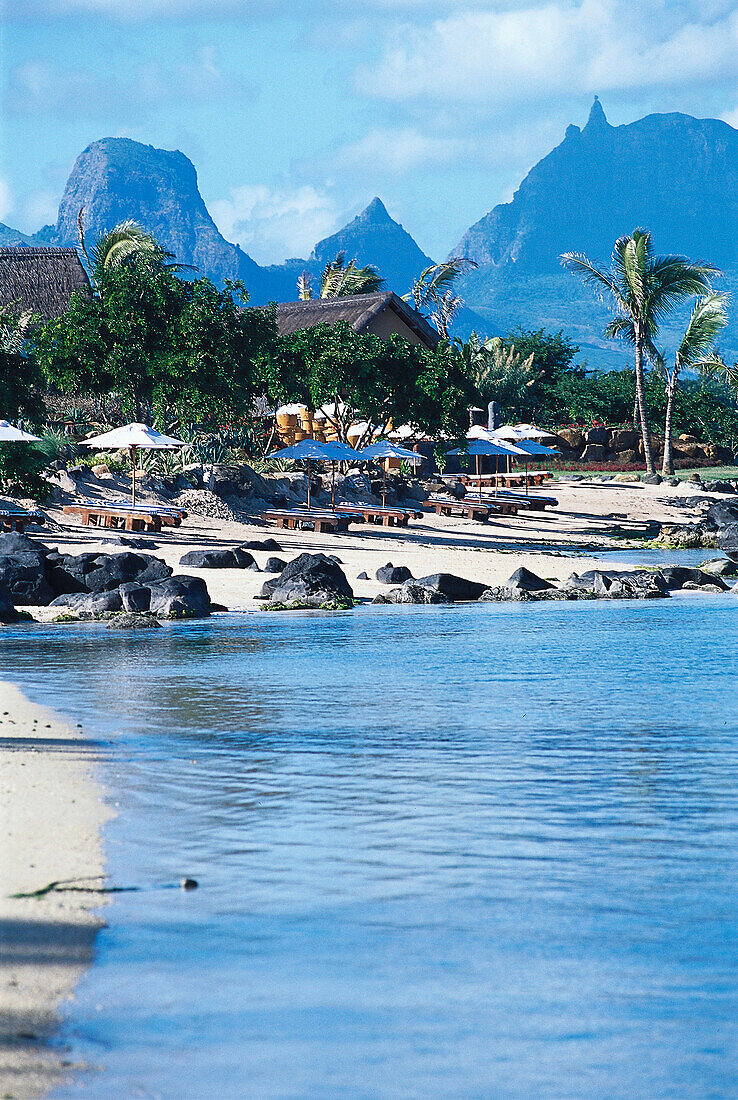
362, 378
432, 292
340, 280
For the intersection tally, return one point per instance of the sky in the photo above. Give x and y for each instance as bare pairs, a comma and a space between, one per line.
297, 112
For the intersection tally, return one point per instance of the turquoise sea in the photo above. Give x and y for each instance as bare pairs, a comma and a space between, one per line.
444, 853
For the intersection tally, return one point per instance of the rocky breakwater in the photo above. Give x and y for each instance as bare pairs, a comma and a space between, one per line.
718, 528
93, 586
594, 584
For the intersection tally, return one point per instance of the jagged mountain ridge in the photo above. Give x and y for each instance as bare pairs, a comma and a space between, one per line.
115, 179
671, 173
675, 174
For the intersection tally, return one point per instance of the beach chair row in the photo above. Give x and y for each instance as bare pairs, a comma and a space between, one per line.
126, 517
17, 519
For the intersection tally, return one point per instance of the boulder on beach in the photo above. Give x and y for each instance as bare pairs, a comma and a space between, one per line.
309, 580
237, 558
23, 570
8, 612
456, 588
393, 574
133, 621
274, 565
412, 593
525, 580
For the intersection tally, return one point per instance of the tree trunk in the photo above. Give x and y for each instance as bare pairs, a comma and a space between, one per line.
667, 467
641, 401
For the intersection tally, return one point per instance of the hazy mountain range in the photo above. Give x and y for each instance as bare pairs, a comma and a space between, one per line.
674, 174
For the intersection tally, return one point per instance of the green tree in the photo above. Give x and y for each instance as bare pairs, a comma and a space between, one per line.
168, 347
644, 289
20, 395
696, 351
366, 379
499, 373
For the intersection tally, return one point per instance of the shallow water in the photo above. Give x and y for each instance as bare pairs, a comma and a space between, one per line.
446, 852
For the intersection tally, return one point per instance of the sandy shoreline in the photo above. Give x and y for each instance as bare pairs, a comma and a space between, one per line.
51, 813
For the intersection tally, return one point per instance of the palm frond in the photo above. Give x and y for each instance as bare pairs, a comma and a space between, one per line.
708, 319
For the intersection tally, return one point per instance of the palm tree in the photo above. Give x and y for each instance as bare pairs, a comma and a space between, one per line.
341, 279
644, 289
696, 351
497, 372
125, 242
432, 290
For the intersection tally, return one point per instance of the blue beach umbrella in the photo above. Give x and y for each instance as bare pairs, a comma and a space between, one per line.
479, 447
309, 450
385, 448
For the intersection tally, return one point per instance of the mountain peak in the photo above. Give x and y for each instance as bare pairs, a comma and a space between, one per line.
376, 211
597, 118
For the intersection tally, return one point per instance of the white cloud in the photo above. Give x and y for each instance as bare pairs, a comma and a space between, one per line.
41, 87
271, 224
561, 48
397, 150
731, 117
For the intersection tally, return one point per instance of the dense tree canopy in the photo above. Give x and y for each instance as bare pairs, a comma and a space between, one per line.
369, 379
167, 346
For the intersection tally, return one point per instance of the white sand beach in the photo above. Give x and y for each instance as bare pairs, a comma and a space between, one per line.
51, 813
485, 552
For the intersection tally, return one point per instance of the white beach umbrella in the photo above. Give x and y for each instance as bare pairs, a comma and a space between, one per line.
131, 437
10, 434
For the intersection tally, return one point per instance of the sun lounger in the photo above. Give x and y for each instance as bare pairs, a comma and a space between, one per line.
17, 519
469, 508
533, 477
389, 517
170, 516
127, 519
530, 502
316, 519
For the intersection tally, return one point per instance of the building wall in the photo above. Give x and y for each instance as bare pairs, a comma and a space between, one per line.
388, 322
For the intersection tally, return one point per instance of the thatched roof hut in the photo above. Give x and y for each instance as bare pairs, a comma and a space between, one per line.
41, 280
382, 314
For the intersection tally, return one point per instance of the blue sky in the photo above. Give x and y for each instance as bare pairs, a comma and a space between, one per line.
297, 112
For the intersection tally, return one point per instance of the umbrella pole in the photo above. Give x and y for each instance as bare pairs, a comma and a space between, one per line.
333, 486
479, 481
308, 493
133, 476
384, 483
526, 478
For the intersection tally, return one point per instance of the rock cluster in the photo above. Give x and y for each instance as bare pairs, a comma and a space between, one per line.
91, 585
594, 584
624, 445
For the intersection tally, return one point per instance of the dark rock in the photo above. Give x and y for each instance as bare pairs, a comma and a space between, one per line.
23, 569
211, 559
363, 577
8, 613
719, 487
309, 579
727, 540
335, 558
135, 597
180, 597
721, 567
651, 479
619, 584
243, 557
274, 565
412, 592
679, 576
455, 489
90, 604
723, 513
524, 580
131, 620
253, 568
456, 588
264, 544
598, 437
393, 574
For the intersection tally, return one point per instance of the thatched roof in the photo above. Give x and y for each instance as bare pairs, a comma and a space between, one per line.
40, 279
358, 310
